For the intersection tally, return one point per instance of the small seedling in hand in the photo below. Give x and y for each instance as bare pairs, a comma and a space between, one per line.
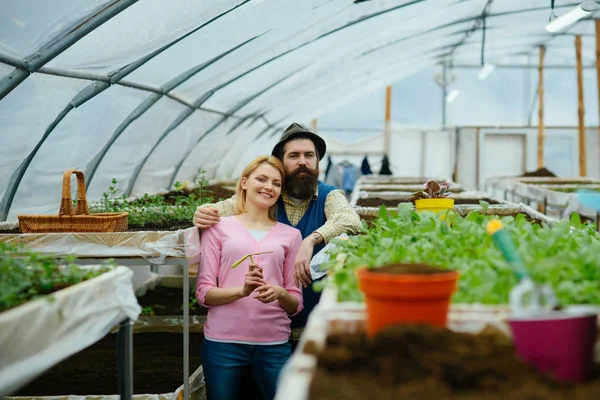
238, 262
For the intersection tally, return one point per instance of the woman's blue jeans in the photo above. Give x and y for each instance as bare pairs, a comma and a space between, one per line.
224, 364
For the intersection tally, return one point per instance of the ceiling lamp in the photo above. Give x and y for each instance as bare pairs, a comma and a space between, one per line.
583, 10
452, 95
486, 68
485, 71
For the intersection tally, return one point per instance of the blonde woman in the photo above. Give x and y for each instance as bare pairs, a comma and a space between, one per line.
248, 321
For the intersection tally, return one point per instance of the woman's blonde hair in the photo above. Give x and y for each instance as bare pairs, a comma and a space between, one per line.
240, 194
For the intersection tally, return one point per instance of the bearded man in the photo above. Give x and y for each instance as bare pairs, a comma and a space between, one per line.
321, 212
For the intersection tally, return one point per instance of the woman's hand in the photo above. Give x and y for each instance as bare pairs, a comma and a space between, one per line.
268, 293
254, 279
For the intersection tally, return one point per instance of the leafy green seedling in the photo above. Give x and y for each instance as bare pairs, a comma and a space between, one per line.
238, 262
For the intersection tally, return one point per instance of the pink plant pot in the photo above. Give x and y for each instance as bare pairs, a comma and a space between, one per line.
556, 343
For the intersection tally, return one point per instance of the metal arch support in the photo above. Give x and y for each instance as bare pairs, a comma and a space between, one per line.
11, 81
135, 114
183, 116
15, 179
178, 121
129, 68
184, 76
12, 61
63, 41
256, 95
49, 51
240, 122
263, 132
187, 153
84, 95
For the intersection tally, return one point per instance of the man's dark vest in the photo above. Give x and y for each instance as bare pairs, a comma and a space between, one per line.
313, 218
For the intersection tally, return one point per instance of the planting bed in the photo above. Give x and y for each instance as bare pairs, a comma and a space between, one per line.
370, 214
148, 226
157, 367
421, 362
166, 301
377, 202
410, 188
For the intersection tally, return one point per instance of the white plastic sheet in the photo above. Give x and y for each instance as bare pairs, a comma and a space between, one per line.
152, 246
39, 334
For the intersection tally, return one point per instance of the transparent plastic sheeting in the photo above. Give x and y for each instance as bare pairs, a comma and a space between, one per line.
37, 335
348, 317
152, 246
277, 60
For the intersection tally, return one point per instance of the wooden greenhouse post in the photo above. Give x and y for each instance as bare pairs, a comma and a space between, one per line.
540, 141
598, 77
580, 106
388, 118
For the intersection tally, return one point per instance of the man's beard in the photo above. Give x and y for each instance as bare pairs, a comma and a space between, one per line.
302, 187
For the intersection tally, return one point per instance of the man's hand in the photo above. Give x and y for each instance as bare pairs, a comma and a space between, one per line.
205, 217
302, 262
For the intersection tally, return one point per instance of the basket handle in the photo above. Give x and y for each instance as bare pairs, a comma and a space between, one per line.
66, 204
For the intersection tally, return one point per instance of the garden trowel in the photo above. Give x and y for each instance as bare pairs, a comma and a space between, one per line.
526, 297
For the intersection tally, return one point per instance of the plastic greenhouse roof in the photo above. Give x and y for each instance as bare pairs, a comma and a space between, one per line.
150, 91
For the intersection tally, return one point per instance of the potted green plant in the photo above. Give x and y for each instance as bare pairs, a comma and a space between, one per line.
433, 198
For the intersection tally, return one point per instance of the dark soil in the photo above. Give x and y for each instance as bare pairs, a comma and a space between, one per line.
376, 202
418, 269
157, 367
422, 362
173, 226
167, 301
215, 191
542, 172
219, 192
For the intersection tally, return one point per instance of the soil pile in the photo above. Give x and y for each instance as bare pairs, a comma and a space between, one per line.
542, 172
422, 362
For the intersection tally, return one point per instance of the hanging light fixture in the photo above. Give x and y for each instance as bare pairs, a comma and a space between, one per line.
583, 10
452, 95
486, 68
486, 71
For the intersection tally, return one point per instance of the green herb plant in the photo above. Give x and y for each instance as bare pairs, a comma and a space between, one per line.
154, 209
565, 255
26, 275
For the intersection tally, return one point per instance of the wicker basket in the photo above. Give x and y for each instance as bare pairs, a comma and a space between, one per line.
68, 221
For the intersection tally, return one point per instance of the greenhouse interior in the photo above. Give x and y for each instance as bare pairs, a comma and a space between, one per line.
299, 199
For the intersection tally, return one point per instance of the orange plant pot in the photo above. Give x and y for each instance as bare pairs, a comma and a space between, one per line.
407, 297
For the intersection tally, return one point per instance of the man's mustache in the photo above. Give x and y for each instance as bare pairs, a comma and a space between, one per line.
303, 169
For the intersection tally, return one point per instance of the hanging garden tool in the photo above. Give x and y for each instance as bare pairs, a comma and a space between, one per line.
526, 297
238, 262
